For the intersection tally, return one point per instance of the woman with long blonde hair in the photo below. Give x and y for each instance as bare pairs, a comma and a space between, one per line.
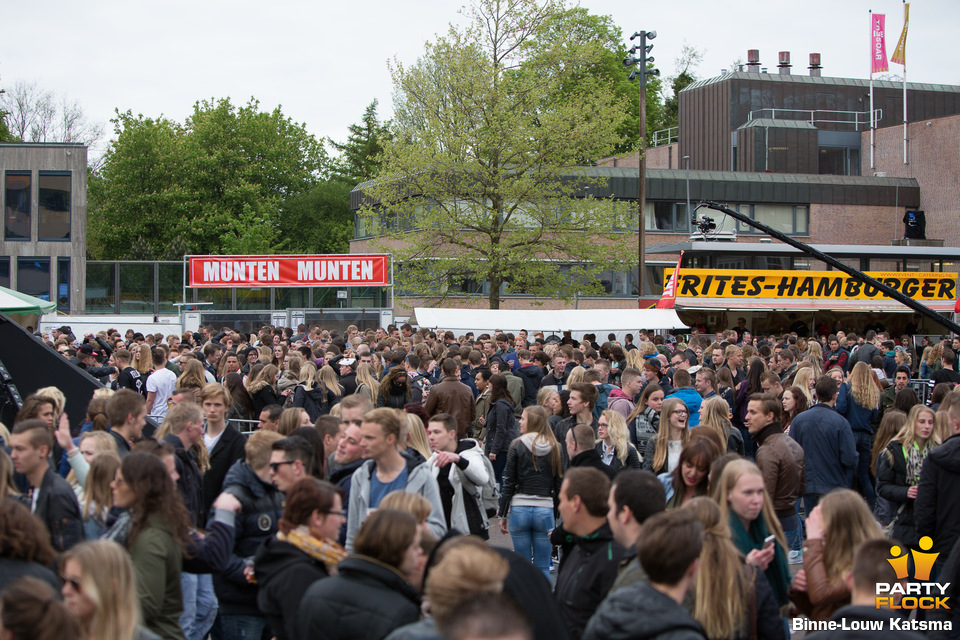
931, 360
310, 394
328, 378
663, 450
576, 375
899, 476
715, 414
416, 435
263, 390
747, 508
100, 591
643, 423
839, 524
81, 457
191, 377
613, 443
805, 379
367, 383
730, 596
97, 497
859, 402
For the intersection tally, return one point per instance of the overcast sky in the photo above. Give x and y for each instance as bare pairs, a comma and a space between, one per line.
323, 62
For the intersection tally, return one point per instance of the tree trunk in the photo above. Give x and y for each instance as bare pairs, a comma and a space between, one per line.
494, 296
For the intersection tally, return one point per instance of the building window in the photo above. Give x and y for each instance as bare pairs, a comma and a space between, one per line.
5, 272
16, 206
53, 206
793, 220
63, 285
33, 277
666, 216
101, 290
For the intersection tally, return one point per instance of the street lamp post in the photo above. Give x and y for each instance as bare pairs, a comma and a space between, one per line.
643, 48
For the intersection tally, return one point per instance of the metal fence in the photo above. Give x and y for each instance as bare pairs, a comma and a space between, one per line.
246, 427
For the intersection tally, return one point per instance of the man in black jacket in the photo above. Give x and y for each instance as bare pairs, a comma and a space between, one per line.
589, 569
934, 511
669, 551
261, 508
186, 430
52, 500
581, 450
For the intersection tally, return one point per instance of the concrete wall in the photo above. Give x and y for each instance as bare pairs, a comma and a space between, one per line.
36, 157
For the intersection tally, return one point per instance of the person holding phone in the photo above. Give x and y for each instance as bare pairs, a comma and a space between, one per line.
756, 530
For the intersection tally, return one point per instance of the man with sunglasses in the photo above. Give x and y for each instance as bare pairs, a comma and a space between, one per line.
291, 459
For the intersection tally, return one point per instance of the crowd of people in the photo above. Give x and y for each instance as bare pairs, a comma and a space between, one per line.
314, 484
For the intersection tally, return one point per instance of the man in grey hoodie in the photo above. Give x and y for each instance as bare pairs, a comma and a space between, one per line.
386, 470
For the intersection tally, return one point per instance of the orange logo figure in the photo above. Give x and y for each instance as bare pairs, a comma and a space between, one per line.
899, 564
923, 562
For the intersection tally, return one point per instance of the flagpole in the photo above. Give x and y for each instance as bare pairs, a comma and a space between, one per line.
905, 141
872, 164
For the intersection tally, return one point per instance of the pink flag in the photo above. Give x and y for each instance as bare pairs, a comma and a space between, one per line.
878, 46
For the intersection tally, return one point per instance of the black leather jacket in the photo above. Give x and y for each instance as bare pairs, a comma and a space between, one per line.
520, 476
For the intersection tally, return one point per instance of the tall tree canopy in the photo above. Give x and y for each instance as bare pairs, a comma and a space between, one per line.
481, 178
218, 183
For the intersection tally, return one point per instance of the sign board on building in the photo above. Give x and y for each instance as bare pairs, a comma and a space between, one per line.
828, 285
342, 270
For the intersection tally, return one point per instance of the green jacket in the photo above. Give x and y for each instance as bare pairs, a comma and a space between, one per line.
157, 563
517, 391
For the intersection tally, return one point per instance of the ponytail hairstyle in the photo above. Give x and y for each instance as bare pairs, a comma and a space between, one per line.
722, 588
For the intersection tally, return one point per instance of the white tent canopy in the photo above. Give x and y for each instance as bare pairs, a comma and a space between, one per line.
578, 322
16, 303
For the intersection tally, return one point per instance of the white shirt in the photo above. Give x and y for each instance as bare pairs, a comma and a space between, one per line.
211, 442
161, 382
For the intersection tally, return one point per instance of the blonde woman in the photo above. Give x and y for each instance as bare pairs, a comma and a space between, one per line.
262, 389
292, 419
310, 394
367, 383
663, 451
97, 497
330, 381
192, 377
730, 596
931, 360
859, 402
899, 476
614, 445
81, 457
576, 375
747, 508
714, 413
416, 436
7, 487
805, 379
839, 524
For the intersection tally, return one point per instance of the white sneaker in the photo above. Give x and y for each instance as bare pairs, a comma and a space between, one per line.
795, 557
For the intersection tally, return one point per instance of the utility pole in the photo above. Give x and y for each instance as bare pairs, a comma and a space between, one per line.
643, 48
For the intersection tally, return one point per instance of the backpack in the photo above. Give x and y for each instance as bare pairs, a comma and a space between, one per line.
489, 493
603, 395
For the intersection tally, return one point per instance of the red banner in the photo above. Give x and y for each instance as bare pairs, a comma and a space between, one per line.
346, 270
878, 46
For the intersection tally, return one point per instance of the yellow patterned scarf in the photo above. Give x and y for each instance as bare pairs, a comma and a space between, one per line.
326, 551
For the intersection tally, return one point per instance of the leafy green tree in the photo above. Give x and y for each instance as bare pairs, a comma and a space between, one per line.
359, 155
218, 183
481, 178
320, 220
690, 57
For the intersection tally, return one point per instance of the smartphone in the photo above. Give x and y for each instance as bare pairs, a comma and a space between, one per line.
768, 541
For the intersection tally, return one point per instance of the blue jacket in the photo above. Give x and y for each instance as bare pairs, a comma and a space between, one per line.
860, 418
692, 399
830, 452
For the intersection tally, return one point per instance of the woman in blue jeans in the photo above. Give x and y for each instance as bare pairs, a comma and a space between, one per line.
531, 485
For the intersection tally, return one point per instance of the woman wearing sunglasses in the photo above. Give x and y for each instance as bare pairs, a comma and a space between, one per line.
100, 592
